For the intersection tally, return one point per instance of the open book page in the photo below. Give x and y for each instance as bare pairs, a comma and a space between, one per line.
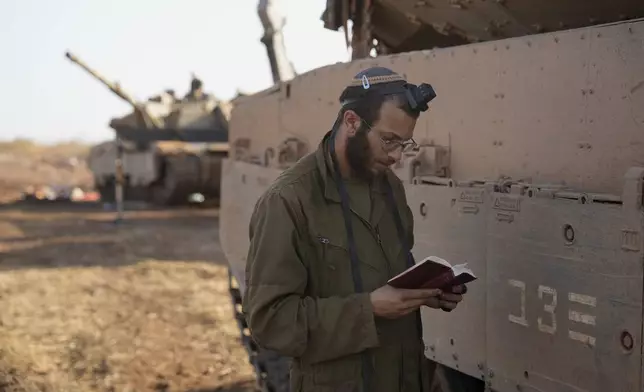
462, 274
460, 269
429, 259
433, 272
436, 259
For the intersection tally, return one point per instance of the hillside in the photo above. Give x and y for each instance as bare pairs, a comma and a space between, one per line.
24, 163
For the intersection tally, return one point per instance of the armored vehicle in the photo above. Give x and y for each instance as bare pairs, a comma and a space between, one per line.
530, 168
166, 149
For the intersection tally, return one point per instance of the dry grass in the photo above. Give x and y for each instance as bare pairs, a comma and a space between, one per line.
87, 305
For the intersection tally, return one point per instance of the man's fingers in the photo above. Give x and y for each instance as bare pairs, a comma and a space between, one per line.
459, 289
420, 293
448, 305
437, 303
433, 302
413, 304
451, 297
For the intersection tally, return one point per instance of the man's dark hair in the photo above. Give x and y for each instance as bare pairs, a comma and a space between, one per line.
367, 104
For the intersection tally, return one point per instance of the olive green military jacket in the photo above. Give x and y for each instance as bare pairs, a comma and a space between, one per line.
299, 298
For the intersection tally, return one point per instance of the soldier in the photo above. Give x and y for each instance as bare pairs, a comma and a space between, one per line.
196, 92
325, 238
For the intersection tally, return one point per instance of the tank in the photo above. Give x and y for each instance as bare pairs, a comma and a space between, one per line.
530, 168
171, 147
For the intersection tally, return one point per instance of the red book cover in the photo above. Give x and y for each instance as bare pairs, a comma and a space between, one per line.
432, 273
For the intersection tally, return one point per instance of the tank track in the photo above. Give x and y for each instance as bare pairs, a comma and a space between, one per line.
271, 369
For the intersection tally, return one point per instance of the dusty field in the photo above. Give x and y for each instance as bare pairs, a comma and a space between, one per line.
87, 305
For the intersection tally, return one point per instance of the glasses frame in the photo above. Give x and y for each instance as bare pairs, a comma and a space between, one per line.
392, 145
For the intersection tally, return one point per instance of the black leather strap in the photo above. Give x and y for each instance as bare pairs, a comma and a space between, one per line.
367, 369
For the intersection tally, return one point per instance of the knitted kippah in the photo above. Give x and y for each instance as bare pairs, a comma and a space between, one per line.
375, 75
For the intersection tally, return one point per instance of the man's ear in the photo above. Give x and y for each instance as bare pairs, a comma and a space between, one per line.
352, 121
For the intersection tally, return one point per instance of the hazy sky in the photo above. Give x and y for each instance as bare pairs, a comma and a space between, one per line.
146, 45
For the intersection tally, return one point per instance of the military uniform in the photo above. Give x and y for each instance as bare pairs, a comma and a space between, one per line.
300, 298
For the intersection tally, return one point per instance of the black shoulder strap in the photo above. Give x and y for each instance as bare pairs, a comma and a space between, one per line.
367, 370
410, 257
398, 221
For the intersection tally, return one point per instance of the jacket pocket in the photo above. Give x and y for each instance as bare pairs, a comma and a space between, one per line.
332, 270
334, 267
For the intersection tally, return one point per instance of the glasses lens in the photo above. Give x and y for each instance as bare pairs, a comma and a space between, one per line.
409, 146
391, 145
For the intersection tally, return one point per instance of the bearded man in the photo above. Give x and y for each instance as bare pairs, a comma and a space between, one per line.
327, 236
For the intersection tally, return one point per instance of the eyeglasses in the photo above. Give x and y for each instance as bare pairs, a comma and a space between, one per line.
389, 145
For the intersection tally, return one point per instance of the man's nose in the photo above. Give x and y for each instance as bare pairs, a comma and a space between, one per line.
396, 155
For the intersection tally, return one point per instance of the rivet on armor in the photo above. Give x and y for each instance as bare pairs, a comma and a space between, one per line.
627, 341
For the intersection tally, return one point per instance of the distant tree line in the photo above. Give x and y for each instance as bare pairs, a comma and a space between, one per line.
25, 146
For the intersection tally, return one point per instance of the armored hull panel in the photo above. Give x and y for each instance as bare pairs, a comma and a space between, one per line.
561, 108
530, 169
404, 25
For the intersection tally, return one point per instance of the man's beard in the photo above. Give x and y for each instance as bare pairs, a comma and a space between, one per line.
358, 154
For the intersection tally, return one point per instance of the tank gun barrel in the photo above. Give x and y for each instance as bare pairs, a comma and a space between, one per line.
116, 89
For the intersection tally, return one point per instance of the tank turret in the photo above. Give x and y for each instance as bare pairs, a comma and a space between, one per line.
172, 147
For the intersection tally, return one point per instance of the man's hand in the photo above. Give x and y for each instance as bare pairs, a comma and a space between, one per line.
390, 302
448, 300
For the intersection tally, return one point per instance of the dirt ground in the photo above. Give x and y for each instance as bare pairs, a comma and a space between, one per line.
90, 305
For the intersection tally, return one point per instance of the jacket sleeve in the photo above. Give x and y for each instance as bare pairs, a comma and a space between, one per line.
280, 316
